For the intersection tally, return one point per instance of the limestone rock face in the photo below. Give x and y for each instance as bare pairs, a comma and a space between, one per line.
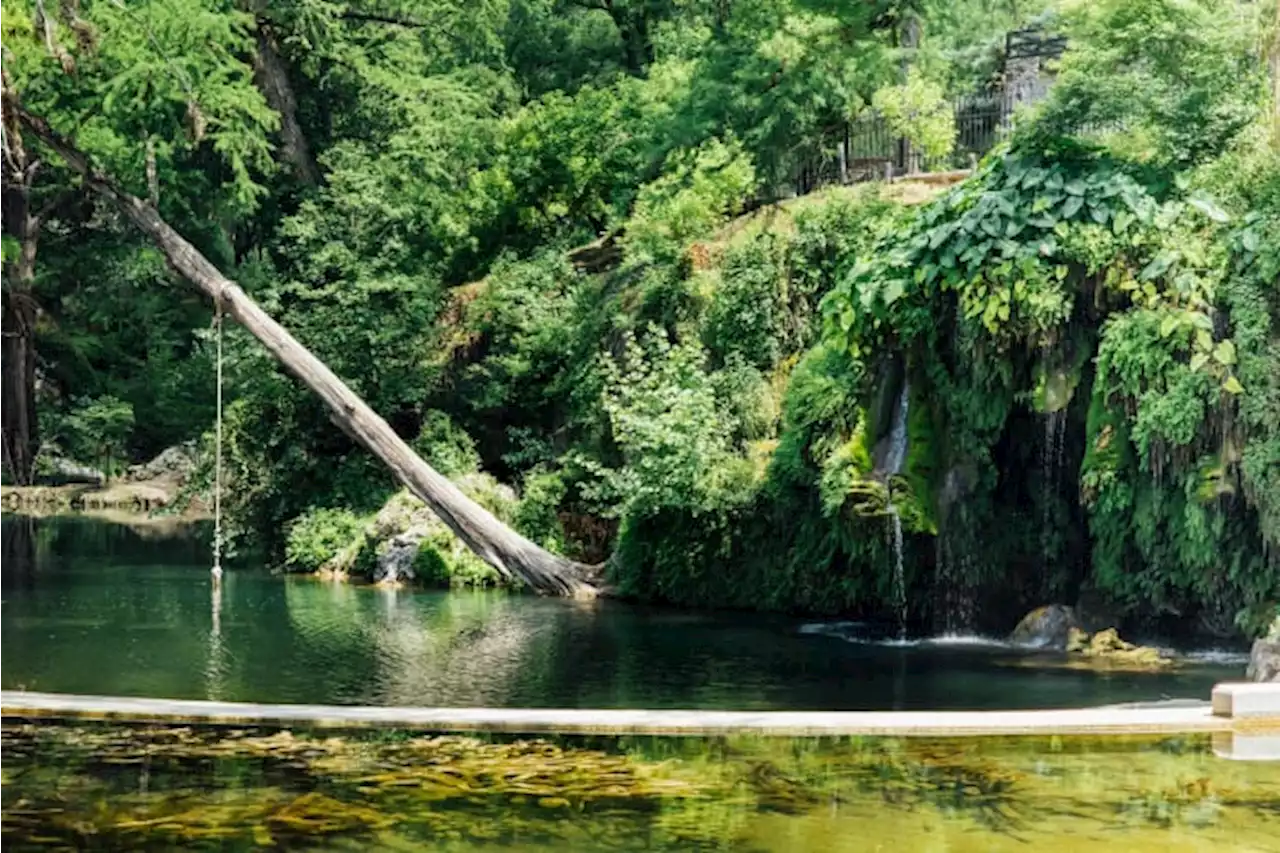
172, 463
409, 543
1264, 661
1047, 627
62, 470
396, 557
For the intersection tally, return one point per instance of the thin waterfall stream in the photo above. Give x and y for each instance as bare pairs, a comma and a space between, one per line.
1051, 456
896, 458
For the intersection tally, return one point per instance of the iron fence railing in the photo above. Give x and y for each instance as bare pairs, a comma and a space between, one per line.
867, 149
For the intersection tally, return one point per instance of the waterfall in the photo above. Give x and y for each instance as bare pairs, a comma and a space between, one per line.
897, 453
894, 460
1052, 451
899, 576
954, 602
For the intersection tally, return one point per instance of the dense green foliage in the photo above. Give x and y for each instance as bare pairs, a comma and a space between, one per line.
1084, 332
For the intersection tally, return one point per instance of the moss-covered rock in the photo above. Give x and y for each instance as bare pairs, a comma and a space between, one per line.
1050, 626
1107, 649
405, 542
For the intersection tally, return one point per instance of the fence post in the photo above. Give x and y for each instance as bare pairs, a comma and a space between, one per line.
844, 155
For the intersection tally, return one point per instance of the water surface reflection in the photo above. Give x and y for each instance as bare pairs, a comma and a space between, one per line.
96, 608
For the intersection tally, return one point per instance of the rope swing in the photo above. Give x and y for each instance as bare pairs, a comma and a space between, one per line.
217, 464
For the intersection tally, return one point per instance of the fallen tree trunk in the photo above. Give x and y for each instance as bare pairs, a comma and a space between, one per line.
498, 545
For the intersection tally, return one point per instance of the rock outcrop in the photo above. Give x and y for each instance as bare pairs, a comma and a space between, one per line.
406, 543
1105, 648
1264, 661
145, 488
1047, 627
173, 463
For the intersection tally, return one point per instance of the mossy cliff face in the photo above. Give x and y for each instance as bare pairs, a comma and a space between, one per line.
1101, 272
1088, 409
1086, 355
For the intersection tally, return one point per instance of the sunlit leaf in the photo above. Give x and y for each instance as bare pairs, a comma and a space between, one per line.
1225, 353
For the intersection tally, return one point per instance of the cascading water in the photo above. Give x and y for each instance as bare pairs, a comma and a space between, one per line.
1052, 451
954, 604
894, 460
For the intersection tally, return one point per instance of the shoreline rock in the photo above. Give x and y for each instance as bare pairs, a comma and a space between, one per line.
1107, 649
146, 488
1264, 661
1047, 627
406, 543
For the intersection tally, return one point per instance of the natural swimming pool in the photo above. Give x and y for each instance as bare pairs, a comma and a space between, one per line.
93, 607
99, 608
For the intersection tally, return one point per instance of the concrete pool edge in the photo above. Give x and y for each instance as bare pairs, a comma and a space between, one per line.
1264, 715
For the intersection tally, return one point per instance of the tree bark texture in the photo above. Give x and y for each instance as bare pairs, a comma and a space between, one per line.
498, 545
271, 76
18, 326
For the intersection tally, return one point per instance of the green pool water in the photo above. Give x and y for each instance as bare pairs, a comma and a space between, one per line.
113, 787
93, 607
101, 608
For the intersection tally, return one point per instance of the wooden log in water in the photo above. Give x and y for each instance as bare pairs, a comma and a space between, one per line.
1082, 721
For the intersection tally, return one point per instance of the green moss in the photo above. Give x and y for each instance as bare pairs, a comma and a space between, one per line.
923, 465
444, 561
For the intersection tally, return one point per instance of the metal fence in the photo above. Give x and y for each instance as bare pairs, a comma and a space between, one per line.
867, 149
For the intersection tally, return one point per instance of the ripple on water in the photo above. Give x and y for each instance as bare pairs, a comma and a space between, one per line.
850, 632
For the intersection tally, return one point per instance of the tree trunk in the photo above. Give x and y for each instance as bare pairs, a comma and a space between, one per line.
272, 79
495, 543
18, 353
19, 382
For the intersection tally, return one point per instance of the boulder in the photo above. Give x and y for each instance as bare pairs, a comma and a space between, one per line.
60, 470
407, 542
396, 556
1047, 627
1264, 661
173, 463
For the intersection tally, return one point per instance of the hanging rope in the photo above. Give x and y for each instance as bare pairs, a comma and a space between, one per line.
217, 463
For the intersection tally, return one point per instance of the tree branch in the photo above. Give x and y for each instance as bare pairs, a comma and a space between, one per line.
392, 20
56, 203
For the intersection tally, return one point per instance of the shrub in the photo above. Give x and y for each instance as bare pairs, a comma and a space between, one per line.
445, 446
316, 537
698, 190
537, 515
96, 432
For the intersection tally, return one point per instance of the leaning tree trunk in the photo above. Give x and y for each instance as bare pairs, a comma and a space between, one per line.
498, 545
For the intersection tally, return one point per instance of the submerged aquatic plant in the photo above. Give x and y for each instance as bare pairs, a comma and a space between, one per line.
148, 787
